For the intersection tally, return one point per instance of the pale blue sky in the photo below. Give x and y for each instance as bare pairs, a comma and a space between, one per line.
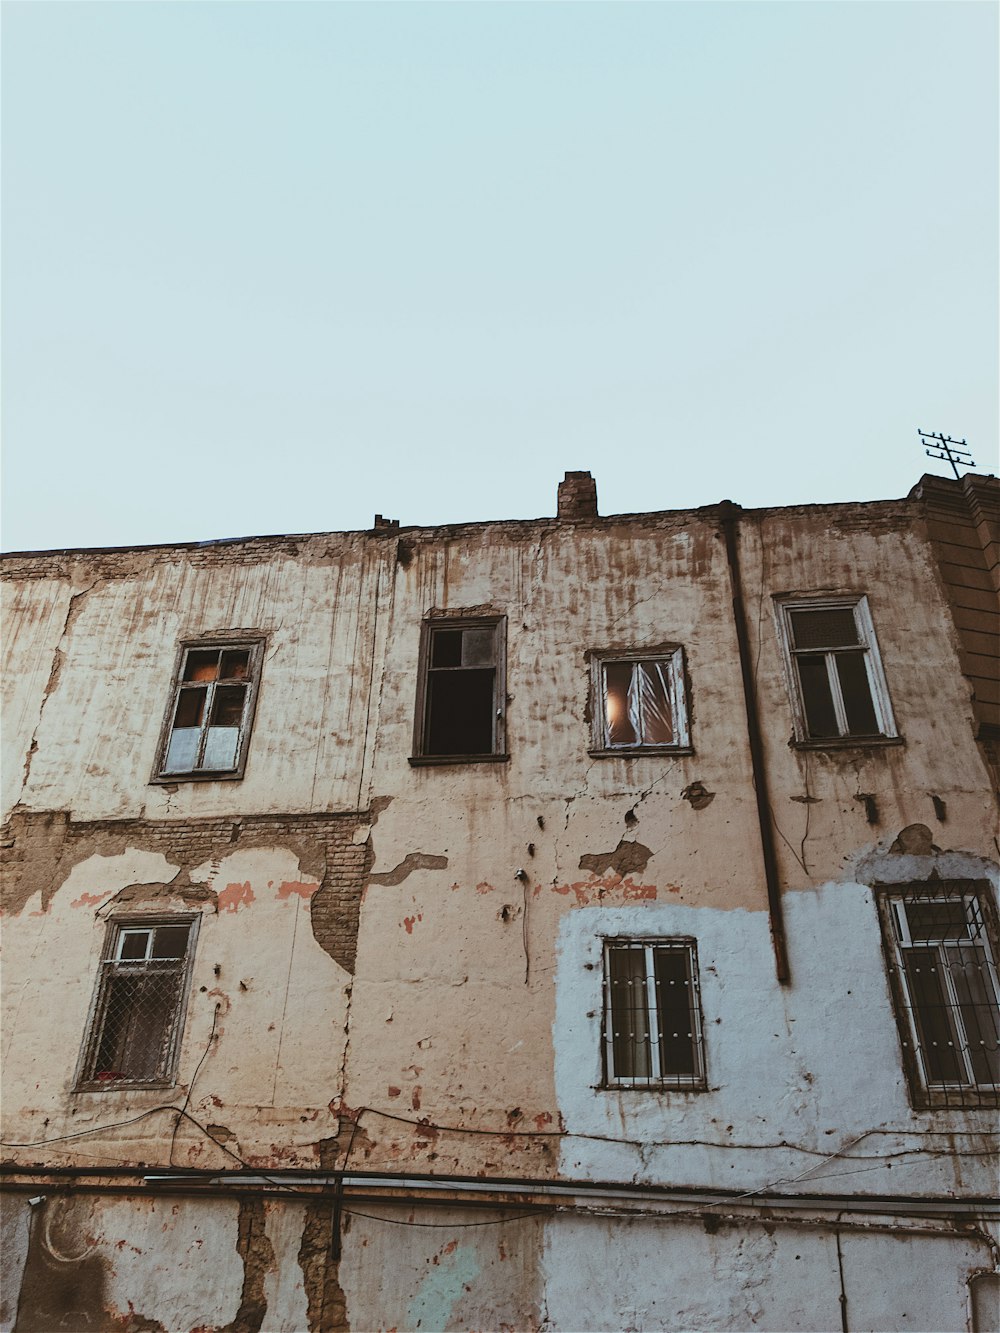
274, 267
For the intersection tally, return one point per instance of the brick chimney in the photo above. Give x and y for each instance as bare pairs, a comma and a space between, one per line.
577, 497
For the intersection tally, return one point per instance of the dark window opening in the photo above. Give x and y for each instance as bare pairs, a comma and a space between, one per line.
838, 676
461, 690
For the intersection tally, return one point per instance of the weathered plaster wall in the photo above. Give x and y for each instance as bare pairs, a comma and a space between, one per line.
163, 1265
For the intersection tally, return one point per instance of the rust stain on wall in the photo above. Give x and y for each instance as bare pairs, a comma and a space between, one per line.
235, 896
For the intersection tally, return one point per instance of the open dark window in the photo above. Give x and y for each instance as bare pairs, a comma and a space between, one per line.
461, 697
839, 689
941, 946
135, 1028
211, 708
652, 1015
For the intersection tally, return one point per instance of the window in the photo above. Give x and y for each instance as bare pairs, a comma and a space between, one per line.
460, 703
652, 1015
137, 1017
941, 948
838, 687
639, 702
211, 709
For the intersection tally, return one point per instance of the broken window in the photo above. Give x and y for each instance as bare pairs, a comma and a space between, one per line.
839, 689
639, 702
652, 1014
941, 947
461, 701
208, 723
137, 1018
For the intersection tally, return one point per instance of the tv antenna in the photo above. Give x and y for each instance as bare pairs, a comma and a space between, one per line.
947, 448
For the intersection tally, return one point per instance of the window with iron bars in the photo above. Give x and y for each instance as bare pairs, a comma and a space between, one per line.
652, 1015
137, 1017
940, 944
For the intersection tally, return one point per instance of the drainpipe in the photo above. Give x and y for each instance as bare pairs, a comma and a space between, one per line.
729, 513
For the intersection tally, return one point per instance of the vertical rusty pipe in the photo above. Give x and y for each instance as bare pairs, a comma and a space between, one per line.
729, 514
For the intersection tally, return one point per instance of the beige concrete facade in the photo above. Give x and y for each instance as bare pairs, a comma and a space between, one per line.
391, 1028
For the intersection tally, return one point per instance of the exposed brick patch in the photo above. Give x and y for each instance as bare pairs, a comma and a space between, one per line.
255, 1249
41, 849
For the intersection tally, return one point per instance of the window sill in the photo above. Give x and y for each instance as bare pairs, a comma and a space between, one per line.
651, 1087
125, 1085
638, 751
848, 743
969, 1099
435, 760
162, 779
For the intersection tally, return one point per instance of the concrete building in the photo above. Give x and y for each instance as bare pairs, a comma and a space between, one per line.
583, 923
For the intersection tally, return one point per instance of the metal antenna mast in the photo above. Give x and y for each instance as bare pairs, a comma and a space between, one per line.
948, 448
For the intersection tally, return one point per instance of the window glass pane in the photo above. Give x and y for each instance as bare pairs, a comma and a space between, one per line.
617, 685
227, 706
938, 921
202, 664
170, 941
132, 944
182, 753
817, 701
931, 1016
460, 712
190, 707
446, 648
674, 1006
220, 748
977, 1005
477, 647
235, 664
825, 627
651, 684
861, 719
630, 1045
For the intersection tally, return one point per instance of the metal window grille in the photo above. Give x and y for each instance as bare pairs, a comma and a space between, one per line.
839, 685
137, 1017
652, 1015
640, 702
943, 963
211, 709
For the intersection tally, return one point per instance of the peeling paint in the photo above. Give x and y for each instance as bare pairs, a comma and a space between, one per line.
412, 861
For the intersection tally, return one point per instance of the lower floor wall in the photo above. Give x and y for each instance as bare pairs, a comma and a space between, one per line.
175, 1264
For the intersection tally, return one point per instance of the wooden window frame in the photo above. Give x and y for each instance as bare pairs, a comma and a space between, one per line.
422, 756
236, 640
670, 654
867, 647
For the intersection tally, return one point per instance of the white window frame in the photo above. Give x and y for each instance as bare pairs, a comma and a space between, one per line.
237, 642
867, 646
672, 657
657, 1079
898, 939
112, 964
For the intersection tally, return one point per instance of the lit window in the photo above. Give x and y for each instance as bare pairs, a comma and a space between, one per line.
135, 1029
652, 1014
839, 690
460, 704
211, 708
639, 702
943, 965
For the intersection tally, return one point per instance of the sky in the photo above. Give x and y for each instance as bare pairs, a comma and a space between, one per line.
273, 267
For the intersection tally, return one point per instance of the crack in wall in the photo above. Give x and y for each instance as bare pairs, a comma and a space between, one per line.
73, 609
